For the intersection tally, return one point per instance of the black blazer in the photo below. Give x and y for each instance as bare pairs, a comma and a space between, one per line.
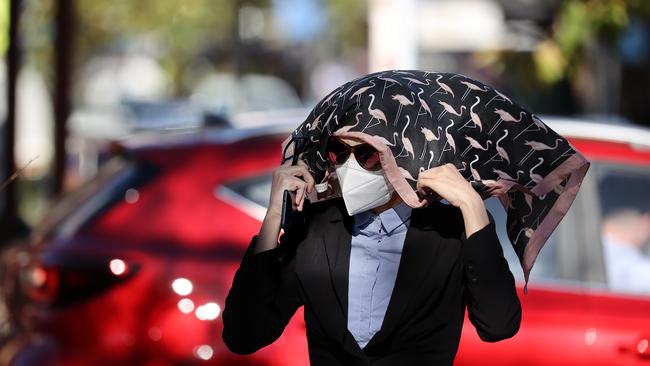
440, 273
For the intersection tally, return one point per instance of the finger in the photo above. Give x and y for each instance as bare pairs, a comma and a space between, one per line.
424, 180
295, 186
420, 186
311, 182
292, 183
439, 181
300, 196
428, 185
301, 171
430, 173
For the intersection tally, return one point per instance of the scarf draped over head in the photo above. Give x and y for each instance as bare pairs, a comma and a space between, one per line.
419, 120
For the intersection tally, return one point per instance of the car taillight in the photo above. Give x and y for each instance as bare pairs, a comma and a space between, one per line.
69, 282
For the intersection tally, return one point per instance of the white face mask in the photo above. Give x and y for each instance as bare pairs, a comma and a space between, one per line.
362, 189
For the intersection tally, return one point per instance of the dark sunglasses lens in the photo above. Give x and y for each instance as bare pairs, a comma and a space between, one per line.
368, 157
337, 152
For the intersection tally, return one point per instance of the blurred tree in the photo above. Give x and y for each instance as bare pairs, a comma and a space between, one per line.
582, 22
36, 32
171, 31
349, 21
4, 26
578, 54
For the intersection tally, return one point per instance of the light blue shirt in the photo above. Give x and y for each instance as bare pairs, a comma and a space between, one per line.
377, 242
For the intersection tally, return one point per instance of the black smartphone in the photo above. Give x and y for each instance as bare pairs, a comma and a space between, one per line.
287, 211
292, 220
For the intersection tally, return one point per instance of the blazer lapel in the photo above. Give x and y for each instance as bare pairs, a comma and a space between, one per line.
322, 265
417, 256
337, 244
337, 241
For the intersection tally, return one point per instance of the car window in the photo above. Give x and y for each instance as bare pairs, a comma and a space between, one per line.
625, 227
256, 189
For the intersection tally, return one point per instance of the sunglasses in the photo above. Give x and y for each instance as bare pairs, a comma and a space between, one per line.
366, 155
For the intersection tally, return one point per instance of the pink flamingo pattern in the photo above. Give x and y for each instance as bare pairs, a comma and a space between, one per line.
538, 125
532, 170
475, 144
500, 150
537, 146
406, 142
470, 86
376, 113
360, 91
442, 86
449, 109
386, 86
505, 116
403, 102
450, 141
474, 117
429, 136
423, 105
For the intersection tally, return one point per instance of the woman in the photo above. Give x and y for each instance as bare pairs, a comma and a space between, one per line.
446, 272
386, 271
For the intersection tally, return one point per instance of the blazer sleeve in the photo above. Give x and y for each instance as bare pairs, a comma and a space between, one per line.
263, 298
492, 302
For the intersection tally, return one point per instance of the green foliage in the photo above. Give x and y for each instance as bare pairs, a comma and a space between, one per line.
580, 22
349, 20
36, 33
4, 26
563, 52
176, 31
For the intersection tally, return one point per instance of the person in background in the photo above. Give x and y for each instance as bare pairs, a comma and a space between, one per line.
625, 232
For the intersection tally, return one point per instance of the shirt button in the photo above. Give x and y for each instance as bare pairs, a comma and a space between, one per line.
470, 268
474, 280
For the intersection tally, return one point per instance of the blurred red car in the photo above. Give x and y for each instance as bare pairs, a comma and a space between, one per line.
134, 267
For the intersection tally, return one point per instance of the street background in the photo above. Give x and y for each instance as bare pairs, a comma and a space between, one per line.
81, 78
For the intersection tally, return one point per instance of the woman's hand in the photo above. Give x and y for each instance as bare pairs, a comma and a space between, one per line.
447, 182
297, 180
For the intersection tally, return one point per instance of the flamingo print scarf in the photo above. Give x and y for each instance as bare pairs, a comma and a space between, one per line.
418, 120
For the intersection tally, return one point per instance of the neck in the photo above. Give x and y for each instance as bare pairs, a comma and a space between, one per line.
394, 201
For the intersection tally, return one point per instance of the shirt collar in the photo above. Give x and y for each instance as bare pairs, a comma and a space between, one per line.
390, 218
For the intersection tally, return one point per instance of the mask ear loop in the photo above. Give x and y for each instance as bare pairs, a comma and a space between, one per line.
325, 184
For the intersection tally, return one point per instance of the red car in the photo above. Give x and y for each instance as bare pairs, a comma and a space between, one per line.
134, 267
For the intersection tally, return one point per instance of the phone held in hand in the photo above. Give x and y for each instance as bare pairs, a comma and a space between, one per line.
287, 211
290, 219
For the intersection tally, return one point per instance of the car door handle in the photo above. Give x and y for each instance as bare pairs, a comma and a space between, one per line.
641, 348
